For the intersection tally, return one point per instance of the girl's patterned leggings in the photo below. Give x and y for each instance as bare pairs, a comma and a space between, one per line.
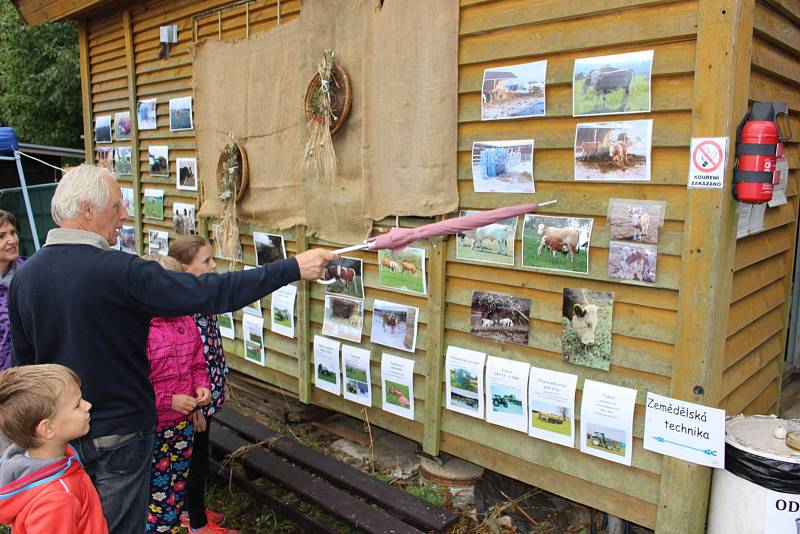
168, 476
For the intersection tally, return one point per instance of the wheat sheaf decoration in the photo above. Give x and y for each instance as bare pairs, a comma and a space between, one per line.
232, 182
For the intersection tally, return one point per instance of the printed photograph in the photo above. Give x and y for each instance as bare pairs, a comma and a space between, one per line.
186, 173
605, 439
102, 129
105, 157
397, 394
493, 243
514, 91
635, 220
122, 126
632, 261
281, 316
154, 204
586, 327
122, 160
552, 418
183, 219
502, 167
146, 114
556, 243
127, 239
344, 317
345, 277
355, 382
252, 332
328, 375
506, 399
403, 270
394, 325
180, 113
158, 242
127, 199
500, 317
225, 321
159, 160
619, 83
464, 389
613, 151
269, 248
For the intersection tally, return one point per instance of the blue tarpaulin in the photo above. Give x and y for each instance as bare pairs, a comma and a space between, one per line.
8, 141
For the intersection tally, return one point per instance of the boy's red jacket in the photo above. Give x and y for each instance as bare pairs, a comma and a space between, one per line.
56, 499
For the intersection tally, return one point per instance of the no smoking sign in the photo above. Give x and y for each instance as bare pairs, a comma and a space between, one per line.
707, 166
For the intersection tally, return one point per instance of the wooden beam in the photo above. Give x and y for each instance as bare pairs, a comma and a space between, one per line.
434, 362
303, 327
35, 12
86, 90
721, 87
127, 27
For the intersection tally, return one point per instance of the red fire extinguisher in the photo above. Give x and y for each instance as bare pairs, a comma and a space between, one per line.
757, 140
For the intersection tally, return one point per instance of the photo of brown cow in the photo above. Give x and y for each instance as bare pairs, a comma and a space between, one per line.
613, 151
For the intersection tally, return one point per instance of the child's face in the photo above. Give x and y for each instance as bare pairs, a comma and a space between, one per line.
203, 262
72, 417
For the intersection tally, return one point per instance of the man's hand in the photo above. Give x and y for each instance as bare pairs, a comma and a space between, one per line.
203, 396
199, 421
313, 261
183, 404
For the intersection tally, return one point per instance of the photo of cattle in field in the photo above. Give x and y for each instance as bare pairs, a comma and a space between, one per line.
493, 243
269, 248
586, 327
502, 167
632, 261
403, 270
514, 91
394, 325
635, 220
556, 243
345, 277
499, 317
613, 151
344, 317
618, 83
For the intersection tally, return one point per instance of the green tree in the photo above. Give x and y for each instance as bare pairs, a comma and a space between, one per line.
40, 86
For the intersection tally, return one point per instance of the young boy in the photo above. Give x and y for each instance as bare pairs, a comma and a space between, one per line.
43, 487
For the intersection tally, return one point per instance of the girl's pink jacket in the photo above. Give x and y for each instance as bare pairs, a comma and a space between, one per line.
177, 364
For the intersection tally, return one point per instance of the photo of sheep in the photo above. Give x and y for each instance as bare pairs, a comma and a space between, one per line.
180, 114
632, 261
344, 317
122, 160
556, 243
345, 277
493, 243
499, 317
502, 167
105, 157
586, 327
635, 220
605, 85
394, 325
146, 114
269, 248
403, 270
102, 129
159, 160
613, 151
514, 91
122, 125
186, 174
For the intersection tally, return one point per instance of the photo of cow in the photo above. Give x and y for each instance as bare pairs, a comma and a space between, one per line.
344, 317
502, 167
613, 151
269, 248
586, 327
632, 261
514, 91
345, 276
606, 85
403, 270
556, 243
499, 317
635, 220
394, 325
493, 243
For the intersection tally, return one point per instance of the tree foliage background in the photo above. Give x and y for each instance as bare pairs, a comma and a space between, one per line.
40, 86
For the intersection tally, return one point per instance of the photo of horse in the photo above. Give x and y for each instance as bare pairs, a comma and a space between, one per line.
345, 275
394, 325
618, 83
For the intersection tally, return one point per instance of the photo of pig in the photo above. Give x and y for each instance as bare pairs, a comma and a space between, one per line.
586, 327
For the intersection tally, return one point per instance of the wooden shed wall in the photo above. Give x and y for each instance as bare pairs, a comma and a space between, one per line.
764, 262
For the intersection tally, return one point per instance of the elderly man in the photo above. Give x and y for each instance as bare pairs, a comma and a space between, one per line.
80, 304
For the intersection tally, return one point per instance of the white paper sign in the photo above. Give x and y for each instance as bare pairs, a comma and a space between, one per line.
757, 213
464, 386
253, 334
326, 365
707, 162
397, 383
254, 308
685, 430
743, 211
357, 382
282, 310
779, 191
781, 513
507, 393
552, 406
226, 325
607, 421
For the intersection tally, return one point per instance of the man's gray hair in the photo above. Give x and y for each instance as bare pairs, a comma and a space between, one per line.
84, 182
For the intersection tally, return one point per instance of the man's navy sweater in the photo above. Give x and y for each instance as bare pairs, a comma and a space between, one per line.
90, 309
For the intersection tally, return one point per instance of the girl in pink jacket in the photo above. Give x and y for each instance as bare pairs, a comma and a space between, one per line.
180, 380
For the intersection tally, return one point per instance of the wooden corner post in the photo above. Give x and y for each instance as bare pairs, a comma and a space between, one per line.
127, 27
434, 361
721, 89
86, 90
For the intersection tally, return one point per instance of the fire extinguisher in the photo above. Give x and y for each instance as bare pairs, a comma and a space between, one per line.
757, 140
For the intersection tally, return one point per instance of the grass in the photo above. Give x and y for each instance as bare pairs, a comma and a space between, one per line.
355, 374
327, 377
545, 260
224, 320
283, 322
394, 398
596, 356
252, 351
564, 428
467, 253
638, 100
153, 208
402, 280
